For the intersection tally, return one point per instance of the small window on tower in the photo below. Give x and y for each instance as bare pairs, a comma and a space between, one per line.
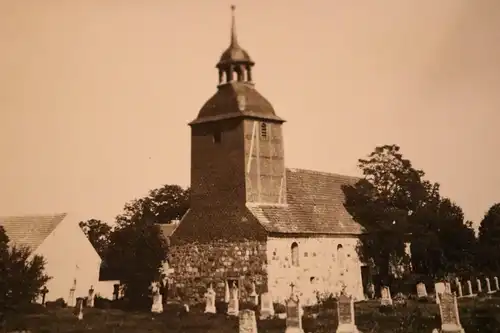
217, 136
263, 130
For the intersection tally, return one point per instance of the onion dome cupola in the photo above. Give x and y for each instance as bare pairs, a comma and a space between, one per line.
236, 95
235, 63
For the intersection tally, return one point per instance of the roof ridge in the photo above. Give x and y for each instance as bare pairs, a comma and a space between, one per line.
51, 215
321, 173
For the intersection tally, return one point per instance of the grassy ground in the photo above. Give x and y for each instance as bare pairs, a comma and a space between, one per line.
415, 317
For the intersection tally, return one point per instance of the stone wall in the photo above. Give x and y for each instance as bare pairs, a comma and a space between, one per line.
318, 267
197, 265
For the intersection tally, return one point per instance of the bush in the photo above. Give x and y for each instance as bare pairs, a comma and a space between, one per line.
426, 299
32, 308
279, 308
58, 303
250, 306
221, 307
22, 275
102, 303
327, 301
386, 309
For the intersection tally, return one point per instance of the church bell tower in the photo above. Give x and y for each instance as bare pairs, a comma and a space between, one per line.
237, 152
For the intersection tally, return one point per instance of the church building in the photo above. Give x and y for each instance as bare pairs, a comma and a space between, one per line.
252, 221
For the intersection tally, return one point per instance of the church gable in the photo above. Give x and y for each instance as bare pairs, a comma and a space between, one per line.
315, 205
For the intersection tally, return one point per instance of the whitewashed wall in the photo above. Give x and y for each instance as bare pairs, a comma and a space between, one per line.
318, 259
69, 255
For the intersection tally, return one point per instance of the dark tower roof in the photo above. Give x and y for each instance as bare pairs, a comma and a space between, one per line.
236, 95
234, 53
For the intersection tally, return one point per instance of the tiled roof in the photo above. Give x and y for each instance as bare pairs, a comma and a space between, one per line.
315, 205
224, 104
30, 230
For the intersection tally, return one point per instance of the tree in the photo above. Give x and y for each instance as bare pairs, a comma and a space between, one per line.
489, 240
21, 275
164, 204
137, 249
396, 205
443, 242
382, 203
98, 234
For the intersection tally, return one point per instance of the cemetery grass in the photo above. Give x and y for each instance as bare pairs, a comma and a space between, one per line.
420, 317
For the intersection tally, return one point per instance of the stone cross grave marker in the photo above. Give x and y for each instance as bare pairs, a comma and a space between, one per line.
266, 306
439, 288
469, 288
90, 298
345, 312
448, 309
234, 303
293, 317
488, 286
421, 290
157, 306
210, 300
247, 321
459, 287
386, 299
497, 287
44, 292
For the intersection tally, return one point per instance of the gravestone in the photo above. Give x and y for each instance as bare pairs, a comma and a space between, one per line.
253, 295
439, 288
448, 309
421, 290
469, 288
157, 306
233, 307
247, 321
210, 300
90, 298
116, 291
79, 308
345, 313
386, 299
227, 292
479, 287
71, 298
44, 292
371, 290
488, 286
497, 287
266, 306
293, 316
459, 287
447, 287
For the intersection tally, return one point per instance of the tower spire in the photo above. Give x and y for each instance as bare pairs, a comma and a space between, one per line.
235, 63
234, 38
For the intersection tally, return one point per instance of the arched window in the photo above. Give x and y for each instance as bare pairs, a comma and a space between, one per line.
295, 254
341, 258
263, 130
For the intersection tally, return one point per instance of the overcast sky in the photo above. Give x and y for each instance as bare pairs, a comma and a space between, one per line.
95, 96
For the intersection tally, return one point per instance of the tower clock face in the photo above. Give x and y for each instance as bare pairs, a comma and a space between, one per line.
242, 102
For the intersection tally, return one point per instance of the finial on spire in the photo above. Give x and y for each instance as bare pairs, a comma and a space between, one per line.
234, 40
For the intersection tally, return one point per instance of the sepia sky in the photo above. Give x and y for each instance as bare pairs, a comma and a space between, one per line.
95, 96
